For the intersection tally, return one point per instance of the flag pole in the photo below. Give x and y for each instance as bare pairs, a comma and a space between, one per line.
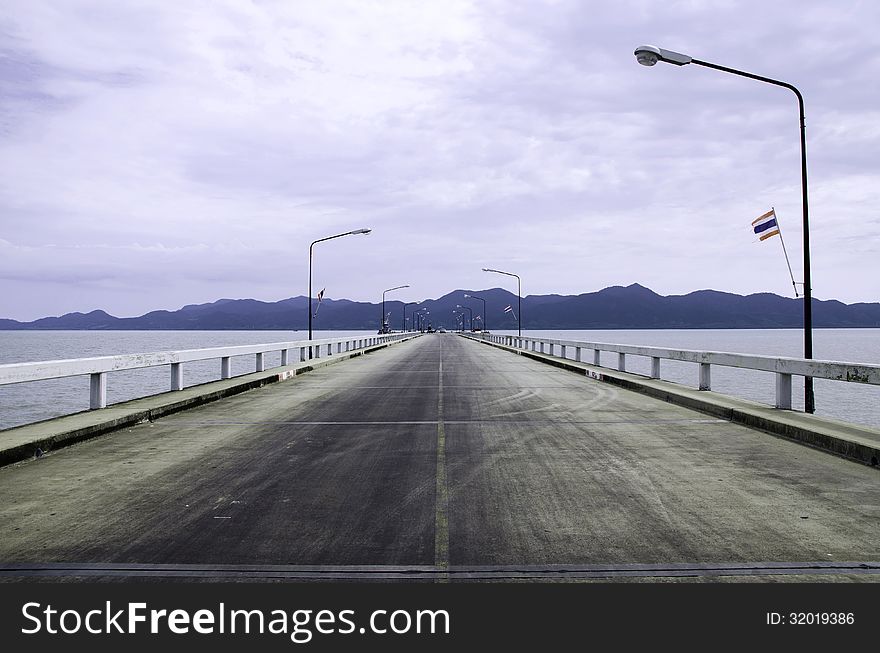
784, 251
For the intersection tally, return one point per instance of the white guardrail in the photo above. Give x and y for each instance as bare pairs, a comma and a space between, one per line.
97, 368
784, 368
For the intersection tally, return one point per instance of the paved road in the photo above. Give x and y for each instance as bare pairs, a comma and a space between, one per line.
436, 452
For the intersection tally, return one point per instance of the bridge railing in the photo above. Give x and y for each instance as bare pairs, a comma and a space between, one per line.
98, 367
783, 367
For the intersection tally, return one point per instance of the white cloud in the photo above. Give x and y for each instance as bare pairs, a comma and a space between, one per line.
167, 151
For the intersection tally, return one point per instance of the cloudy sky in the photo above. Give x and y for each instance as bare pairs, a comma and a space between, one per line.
155, 154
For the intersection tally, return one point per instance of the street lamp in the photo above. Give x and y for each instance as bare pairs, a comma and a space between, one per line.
404, 312
459, 318
518, 296
383, 321
648, 55
485, 326
470, 313
320, 240
421, 313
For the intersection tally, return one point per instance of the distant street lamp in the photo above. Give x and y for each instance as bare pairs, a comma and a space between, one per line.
518, 296
320, 240
383, 325
470, 313
648, 55
459, 319
485, 325
418, 315
404, 312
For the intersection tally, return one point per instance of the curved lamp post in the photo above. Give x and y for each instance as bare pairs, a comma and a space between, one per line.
518, 296
470, 313
404, 313
485, 326
648, 55
459, 318
383, 321
320, 240
421, 313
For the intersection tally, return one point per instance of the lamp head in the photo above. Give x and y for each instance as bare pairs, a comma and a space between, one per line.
648, 55
361, 231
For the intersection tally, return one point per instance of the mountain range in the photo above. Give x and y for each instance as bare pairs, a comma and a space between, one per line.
617, 307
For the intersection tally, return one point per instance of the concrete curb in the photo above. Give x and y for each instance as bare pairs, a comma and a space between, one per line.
24, 442
851, 441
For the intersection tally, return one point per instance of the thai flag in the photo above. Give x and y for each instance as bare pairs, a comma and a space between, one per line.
766, 225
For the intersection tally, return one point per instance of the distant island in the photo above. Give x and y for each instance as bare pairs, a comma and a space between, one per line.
617, 307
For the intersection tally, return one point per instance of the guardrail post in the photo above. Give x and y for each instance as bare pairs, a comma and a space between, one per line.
551, 348
577, 354
597, 359
655, 367
562, 347
285, 357
705, 376
783, 391
330, 349
97, 390
259, 365
176, 376
225, 368
302, 354
621, 362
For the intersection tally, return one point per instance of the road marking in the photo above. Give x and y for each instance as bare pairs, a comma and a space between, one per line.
441, 514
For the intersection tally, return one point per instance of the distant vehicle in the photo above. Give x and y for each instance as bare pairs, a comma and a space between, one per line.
441, 330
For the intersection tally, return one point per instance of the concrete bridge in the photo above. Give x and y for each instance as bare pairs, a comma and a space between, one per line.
441, 458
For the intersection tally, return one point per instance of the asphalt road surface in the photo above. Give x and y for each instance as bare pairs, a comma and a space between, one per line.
435, 454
